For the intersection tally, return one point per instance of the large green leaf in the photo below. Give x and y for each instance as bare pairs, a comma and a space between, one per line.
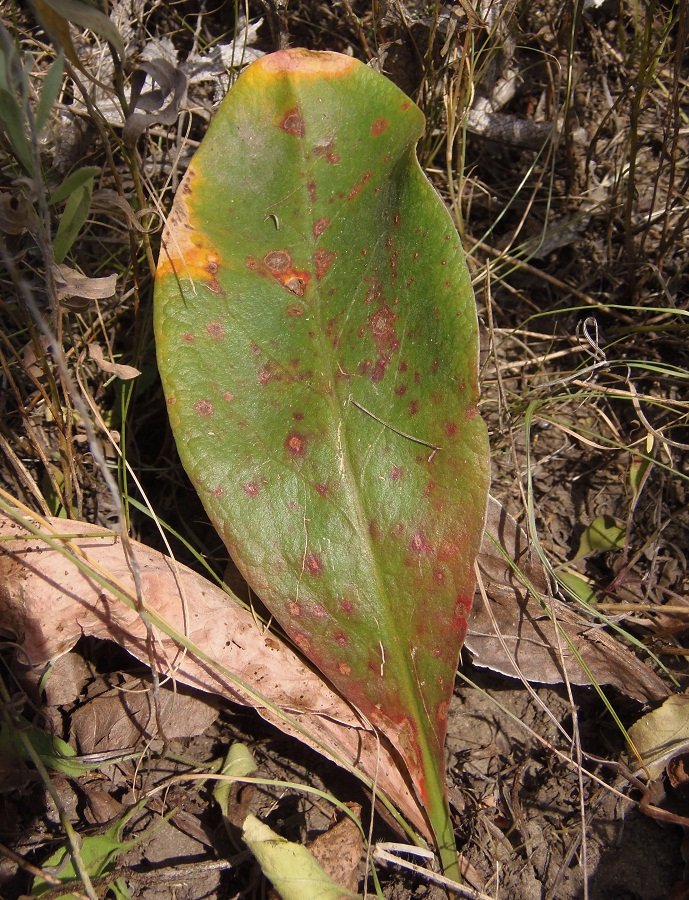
317, 340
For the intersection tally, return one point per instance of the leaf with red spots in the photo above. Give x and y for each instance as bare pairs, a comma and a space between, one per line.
317, 341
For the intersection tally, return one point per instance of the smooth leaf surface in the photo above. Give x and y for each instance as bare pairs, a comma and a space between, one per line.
317, 341
290, 867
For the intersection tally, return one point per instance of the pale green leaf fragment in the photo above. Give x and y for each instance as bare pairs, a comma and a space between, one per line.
604, 533
291, 868
72, 220
87, 16
12, 123
640, 469
239, 763
662, 734
72, 182
55, 753
578, 585
51, 88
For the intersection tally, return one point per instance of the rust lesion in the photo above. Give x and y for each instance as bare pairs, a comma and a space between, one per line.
185, 251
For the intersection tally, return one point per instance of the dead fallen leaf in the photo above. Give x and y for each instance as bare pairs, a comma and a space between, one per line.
70, 283
662, 734
514, 634
339, 849
124, 716
126, 373
48, 604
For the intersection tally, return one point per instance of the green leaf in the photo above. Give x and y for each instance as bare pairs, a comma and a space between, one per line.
12, 118
578, 585
639, 470
604, 533
75, 180
318, 343
98, 853
51, 88
55, 754
85, 15
291, 868
75, 213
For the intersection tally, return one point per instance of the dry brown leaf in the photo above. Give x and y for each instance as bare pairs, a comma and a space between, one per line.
126, 373
48, 603
122, 717
70, 283
339, 849
513, 634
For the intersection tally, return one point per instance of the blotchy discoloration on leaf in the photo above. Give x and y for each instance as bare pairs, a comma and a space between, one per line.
352, 462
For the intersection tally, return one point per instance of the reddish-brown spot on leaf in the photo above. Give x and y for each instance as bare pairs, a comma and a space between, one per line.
332, 158
413, 407
449, 550
416, 255
404, 365
396, 220
438, 576
251, 489
295, 444
347, 606
430, 487
378, 372
323, 259
228, 396
395, 474
401, 390
212, 267
265, 376
471, 413
251, 262
410, 281
463, 606
188, 338
278, 261
204, 407
320, 612
322, 489
215, 287
381, 323
302, 641
298, 416
296, 311
313, 565
378, 127
320, 225
294, 608
311, 188
171, 401
405, 105
293, 123
296, 286
364, 251
216, 330
218, 491
359, 186
451, 429
341, 639
419, 543
344, 669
